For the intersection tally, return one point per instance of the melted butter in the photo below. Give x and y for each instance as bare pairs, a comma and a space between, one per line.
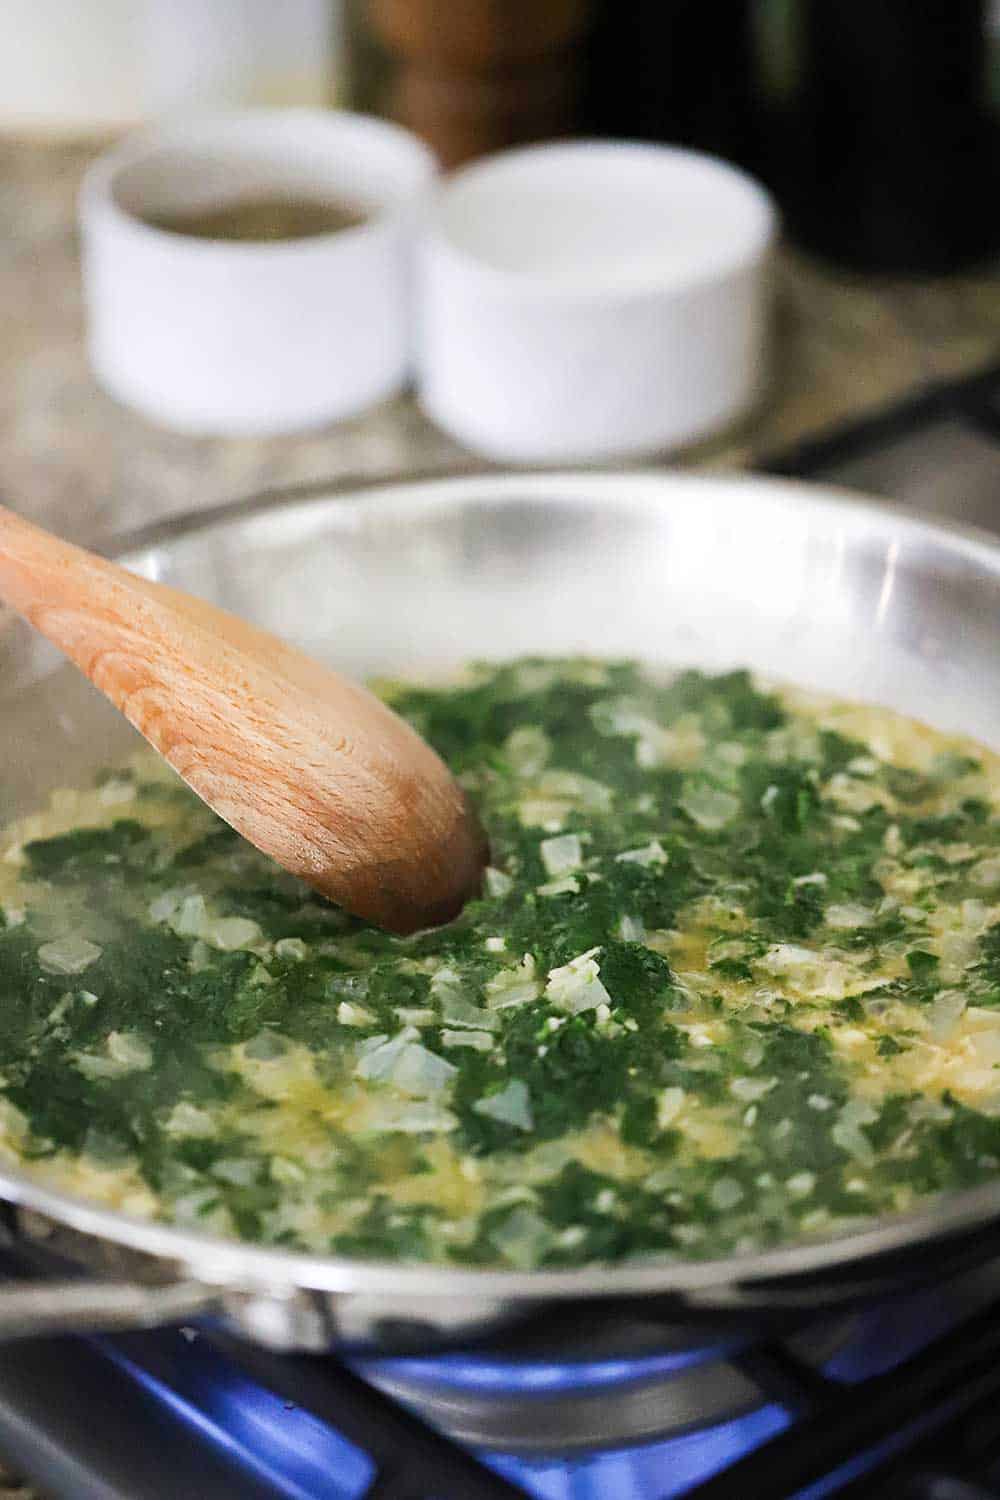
303, 1115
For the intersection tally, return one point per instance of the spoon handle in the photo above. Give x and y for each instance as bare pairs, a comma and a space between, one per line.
307, 765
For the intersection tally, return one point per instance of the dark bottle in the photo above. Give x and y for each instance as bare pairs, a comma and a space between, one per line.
672, 70
875, 122
877, 129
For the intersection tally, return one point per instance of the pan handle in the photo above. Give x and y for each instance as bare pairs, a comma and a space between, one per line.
34, 1309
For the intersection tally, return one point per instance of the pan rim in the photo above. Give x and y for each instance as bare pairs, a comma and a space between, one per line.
231, 1262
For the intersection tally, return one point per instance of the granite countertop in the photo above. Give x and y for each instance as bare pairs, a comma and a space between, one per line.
71, 457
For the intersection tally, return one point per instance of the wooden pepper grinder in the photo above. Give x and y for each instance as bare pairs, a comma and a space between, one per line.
473, 76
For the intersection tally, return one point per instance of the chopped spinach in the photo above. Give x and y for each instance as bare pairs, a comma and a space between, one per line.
711, 919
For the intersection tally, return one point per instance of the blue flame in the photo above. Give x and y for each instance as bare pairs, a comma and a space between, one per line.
504, 1375
302, 1458
290, 1450
661, 1470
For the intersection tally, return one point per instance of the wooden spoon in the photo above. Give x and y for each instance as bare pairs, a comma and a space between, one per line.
310, 767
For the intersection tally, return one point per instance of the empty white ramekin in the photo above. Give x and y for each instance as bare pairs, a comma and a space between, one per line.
591, 300
216, 336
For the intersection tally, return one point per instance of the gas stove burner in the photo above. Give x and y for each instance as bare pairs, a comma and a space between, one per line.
151, 1416
582, 1402
822, 1393
899, 1399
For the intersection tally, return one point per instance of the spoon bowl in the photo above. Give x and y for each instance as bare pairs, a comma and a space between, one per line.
309, 767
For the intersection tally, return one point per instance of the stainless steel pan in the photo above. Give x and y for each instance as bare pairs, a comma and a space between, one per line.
810, 585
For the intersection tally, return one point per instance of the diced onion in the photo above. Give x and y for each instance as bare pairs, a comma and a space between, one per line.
414, 1015
631, 929
188, 915
353, 1015
576, 986
848, 914
652, 853
68, 955
458, 1012
669, 1104
725, 1193
231, 933
511, 1106
708, 806
240, 1171
946, 1011
479, 1041
124, 1052
187, 1120
190, 918
116, 791
514, 986
522, 1238
406, 1064
498, 883
561, 854
129, 1049
293, 948
527, 749
847, 1133
749, 1090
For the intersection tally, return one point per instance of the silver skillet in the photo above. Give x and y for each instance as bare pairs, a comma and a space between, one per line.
805, 584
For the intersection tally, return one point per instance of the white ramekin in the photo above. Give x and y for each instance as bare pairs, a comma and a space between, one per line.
592, 300
215, 336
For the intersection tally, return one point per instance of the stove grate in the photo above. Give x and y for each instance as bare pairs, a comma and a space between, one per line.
224, 1419
852, 1433
412, 1460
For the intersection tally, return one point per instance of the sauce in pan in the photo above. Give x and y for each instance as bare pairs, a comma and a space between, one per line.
734, 978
